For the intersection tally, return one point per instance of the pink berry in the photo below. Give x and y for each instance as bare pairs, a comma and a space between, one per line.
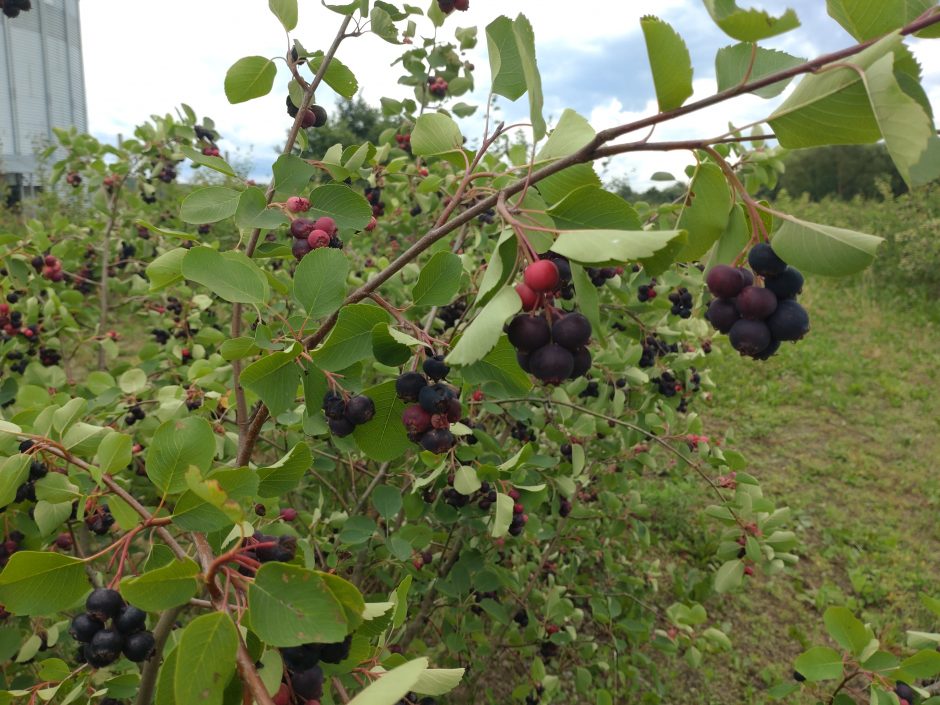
529, 298
317, 239
288, 514
326, 224
541, 276
296, 204
372, 223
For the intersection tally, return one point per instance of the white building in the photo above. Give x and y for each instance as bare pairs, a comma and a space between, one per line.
42, 85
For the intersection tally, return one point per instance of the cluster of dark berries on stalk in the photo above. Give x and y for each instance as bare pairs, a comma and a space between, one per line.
314, 116
103, 645
452, 313
404, 142
600, 276
653, 347
49, 267
552, 345
134, 414
12, 8
84, 278
519, 517
523, 432
311, 235
647, 292
261, 548
100, 520
415, 699
26, 492
73, 179
757, 319
303, 678
448, 6
11, 322
343, 415
437, 86
906, 694
373, 195
11, 544
681, 301
428, 421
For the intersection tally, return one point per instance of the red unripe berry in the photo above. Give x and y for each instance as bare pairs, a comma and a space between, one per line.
517, 508
748, 570
514, 494
308, 119
296, 204
478, 395
372, 223
283, 695
551, 629
51, 260
541, 276
28, 333
4, 309
326, 224
423, 172
529, 298
318, 238
462, 5
288, 514
418, 563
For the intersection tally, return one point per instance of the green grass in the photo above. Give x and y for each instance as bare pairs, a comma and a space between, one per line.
844, 427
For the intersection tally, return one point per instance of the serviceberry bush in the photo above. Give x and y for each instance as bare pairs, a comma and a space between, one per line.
380, 431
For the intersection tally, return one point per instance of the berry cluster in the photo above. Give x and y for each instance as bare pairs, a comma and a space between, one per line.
11, 544
681, 301
653, 347
314, 116
268, 549
600, 276
485, 496
303, 678
211, 151
373, 195
127, 633
757, 319
11, 322
438, 406
412, 699
404, 142
647, 292
134, 414
519, 517
99, 520
448, 6
12, 8
452, 313
345, 414
73, 179
437, 86
311, 235
49, 267
523, 432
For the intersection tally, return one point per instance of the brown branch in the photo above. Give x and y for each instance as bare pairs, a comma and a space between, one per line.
419, 621
105, 265
151, 669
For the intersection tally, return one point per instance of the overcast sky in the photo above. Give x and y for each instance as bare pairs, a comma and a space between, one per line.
144, 58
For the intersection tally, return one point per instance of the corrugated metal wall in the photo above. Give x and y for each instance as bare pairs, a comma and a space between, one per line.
42, 82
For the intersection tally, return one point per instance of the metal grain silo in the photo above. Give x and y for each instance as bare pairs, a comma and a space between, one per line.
42, 84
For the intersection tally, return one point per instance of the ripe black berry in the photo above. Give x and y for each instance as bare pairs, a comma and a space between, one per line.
756, 303
435, 368
438, 440
749, 337
572, 332
528, 333
334, 406
301, 658
789, 322
409, 385
434, 398
764, 260
904, 691
336, 652
104, 604
722, 314
104, 647
552, 363
130, 620
308, 684
724, 282
787, 284
139, 646
359, 410
84, 627
416, 420
341, 427
582, 362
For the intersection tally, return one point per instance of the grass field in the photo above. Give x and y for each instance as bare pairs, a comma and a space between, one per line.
844, 427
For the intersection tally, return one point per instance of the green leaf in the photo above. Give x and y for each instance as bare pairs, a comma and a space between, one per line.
743, 61
164, 692
865, 20
248, 78
320, 281
525, 44
167, 269
283, 476
176, 445
669, 61
157, 590
292, 174
499, 268
351, 338
253, 211
238, 348
733, 240
438, 281
586, 292
823, 249
749, 25
349, 209
338, 76
387, 501
215, 163
114, 453
289, 606
570, 134
484, 331
505, 64
383, 438
39, 583
435, 133
906, 127
357, 530
49, 516
209, 205
207, 647
819, 663
285, 11
706, 218
611, 246
729, 576
590, 207
386, 348
499, 368
922, 665
275, 379
229, 275
847, 631
14, 471
393, 686
502, 517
